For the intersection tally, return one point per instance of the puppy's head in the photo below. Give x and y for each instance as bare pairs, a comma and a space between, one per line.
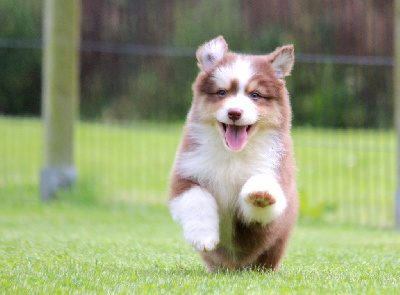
241, 95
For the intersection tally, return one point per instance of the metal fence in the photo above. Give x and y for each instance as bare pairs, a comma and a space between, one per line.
137, 66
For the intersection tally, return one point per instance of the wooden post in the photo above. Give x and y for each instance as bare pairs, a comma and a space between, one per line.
60, 90
396, 84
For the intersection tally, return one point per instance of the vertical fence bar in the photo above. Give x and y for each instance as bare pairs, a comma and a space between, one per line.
397, 103
61, 35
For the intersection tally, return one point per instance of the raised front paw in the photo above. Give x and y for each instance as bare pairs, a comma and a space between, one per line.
260, 199
202, 242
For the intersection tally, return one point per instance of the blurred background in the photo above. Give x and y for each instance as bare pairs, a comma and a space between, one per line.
137, 65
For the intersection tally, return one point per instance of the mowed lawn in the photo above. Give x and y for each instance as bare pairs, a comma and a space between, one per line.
113, 232
69, 247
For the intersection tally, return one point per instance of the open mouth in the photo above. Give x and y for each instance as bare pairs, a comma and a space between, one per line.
235, 135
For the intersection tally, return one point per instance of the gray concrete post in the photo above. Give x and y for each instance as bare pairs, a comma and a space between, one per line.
60, 90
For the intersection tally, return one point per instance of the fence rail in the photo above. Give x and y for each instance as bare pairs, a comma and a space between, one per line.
169, 51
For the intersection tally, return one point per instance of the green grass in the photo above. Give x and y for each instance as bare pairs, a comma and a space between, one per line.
69, 247
347, 175
113, 232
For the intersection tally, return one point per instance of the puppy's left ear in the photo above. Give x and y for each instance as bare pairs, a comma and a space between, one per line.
209, 54
282, 61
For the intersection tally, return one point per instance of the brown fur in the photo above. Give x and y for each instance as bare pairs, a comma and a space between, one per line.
257, 247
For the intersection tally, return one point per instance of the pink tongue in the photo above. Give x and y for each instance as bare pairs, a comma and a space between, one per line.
235, 136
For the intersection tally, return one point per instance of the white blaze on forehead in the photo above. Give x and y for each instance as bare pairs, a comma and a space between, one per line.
240, 70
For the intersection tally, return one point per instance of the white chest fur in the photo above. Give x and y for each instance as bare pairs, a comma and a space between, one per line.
224, 172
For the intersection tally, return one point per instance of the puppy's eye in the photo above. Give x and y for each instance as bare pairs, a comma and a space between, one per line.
221, 92
255, 95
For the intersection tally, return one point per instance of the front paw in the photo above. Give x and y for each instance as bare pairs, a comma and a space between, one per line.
202, 241
261, 200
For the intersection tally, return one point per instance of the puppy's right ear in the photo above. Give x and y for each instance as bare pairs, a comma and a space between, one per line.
209, 54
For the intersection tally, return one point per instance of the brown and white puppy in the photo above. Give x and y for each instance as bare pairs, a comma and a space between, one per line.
233, 185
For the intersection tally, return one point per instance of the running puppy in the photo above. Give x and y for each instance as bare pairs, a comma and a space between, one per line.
233, 185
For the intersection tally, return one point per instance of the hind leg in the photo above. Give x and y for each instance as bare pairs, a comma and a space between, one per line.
272, 258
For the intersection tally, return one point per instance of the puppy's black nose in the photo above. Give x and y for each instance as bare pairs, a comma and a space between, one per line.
235, 114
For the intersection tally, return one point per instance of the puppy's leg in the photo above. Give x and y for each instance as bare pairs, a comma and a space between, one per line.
261, 199
197, 212
271, 259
